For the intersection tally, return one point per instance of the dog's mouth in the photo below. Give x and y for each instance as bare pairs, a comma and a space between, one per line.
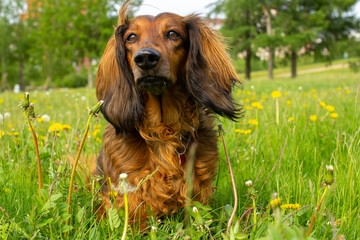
153, 84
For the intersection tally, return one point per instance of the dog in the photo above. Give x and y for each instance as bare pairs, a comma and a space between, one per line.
163, 80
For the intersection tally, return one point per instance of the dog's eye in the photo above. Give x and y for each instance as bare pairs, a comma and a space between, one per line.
173, 35
131, 38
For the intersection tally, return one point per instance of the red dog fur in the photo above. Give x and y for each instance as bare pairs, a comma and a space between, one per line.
162, 80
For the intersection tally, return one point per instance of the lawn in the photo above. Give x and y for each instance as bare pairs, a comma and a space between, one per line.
283, 144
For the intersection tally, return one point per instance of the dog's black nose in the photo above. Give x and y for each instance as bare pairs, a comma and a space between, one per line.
147, 58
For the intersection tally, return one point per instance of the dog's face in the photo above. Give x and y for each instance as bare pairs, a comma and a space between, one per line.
156, 51
149, 54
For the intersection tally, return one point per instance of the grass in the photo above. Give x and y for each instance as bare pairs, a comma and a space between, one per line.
285, 161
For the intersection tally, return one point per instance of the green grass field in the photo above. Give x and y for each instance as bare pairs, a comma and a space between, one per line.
318, 124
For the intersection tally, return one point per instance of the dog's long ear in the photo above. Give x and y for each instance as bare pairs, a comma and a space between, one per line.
209, 72
123, 106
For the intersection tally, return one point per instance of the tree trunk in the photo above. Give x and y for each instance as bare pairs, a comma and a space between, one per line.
293, 64
271, 63
248, 48
21, 74
270, 48
4, 74
90, 75
248, 64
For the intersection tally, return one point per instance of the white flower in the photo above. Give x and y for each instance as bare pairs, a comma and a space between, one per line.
7, 115
248, 183
195, 210
83, 98
1, 117
330, 168
123, 176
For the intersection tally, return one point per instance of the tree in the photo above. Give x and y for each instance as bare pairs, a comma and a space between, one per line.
14, 46
240, 26
299, 24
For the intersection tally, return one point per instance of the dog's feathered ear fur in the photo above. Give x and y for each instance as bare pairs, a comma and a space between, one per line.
123, 106
209, 72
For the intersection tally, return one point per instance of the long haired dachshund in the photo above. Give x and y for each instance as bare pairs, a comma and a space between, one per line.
163, 79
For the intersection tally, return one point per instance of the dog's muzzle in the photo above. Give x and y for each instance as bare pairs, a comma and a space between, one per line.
154, 85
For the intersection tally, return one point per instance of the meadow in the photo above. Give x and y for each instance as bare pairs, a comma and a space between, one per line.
291, 132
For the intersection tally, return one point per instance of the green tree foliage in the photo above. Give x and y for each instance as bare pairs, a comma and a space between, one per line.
54, 42
319, 26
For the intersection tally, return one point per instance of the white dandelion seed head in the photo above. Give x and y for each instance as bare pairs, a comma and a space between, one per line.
248, 183
7, 115
123, 176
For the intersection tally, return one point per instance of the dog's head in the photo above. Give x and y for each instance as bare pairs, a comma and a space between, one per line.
149, 55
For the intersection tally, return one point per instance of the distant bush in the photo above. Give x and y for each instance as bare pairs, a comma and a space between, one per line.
73, 80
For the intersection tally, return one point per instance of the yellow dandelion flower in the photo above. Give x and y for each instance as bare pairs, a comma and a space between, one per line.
41, 119
239, 130
275, 202
113, 194
248, 131
1, 101
288, 102
286, 93
50, 107
276, 94
313, 90
10, 125
66, 127
96, 131
58, 134
295, 206
338, 89
2, 133
330, 108
334, 115
15, 133
291, 119
347, 91
98, 126
253, 122
322, 104
313, 117
247, 92
246, 100
305, 105
247, 107
257, 105
55, 127
315, 97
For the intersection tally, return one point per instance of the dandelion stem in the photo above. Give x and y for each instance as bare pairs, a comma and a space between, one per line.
254, 204
232, 181
277, 111
126, 206
40, 178
75, 164
316, 212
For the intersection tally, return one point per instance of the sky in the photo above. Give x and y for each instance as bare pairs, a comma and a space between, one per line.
181, 7
185, 7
